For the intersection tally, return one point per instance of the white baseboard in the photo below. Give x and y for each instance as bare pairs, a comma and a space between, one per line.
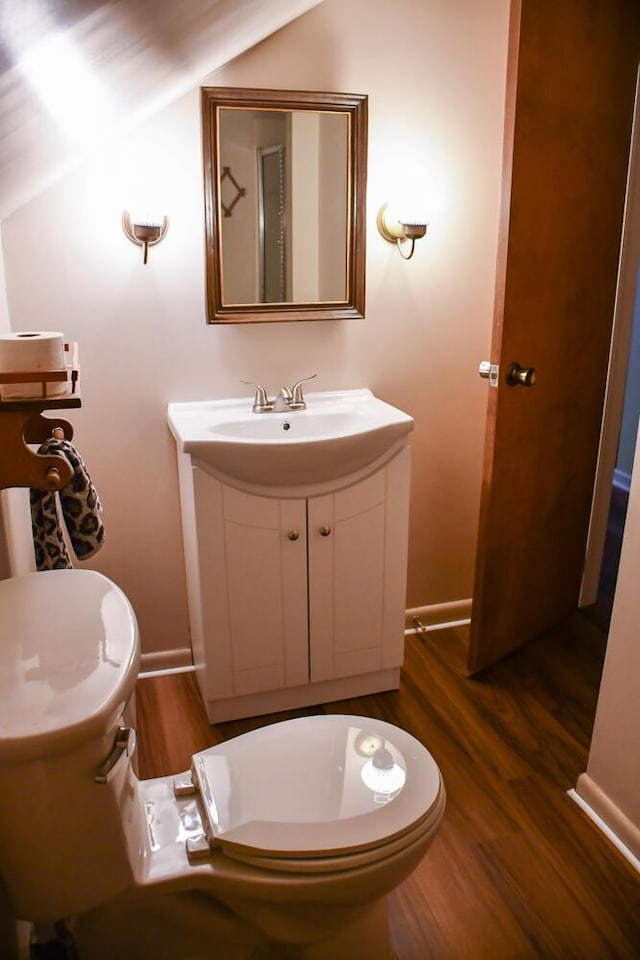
613, 823
437, 616
166, 661
434, 616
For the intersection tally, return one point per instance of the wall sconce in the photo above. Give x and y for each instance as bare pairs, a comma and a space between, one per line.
144, 232
399, 232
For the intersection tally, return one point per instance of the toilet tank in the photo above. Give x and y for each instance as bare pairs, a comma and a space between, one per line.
69, 660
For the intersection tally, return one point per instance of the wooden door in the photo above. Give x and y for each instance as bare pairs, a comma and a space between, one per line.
570, 93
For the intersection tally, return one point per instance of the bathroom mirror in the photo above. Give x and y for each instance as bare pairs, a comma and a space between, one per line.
284, 180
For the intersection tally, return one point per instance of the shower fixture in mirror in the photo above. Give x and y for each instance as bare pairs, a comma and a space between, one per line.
284, 178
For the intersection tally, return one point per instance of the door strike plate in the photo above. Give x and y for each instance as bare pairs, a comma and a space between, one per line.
490, 371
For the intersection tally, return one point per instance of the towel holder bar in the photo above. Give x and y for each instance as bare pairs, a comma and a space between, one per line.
23, 467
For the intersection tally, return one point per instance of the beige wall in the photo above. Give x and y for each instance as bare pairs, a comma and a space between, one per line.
434, 73
4, 309
240, 241
5, 570
334, 202
610, 784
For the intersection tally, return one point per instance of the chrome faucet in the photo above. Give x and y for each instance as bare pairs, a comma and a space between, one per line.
261, 402
293, 397
283, 400
289, 398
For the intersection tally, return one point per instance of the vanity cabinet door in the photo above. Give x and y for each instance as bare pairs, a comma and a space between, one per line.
358, 540
253, 569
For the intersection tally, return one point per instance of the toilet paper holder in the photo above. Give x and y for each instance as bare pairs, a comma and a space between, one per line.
22, 423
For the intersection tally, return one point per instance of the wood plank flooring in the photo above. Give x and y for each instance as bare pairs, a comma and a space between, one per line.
517, 870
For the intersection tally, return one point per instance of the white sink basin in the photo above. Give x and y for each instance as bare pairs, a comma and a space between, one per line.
339, 433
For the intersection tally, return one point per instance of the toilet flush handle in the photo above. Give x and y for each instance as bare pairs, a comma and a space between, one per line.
124, 745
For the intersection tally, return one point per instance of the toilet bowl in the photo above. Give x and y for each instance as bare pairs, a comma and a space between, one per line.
282, 842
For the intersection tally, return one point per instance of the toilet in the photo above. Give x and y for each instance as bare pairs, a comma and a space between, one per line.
280, 843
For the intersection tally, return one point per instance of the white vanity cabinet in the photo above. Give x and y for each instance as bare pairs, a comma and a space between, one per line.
299, 600
295, 528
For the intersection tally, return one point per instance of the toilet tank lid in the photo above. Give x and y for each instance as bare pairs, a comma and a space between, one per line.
69, 658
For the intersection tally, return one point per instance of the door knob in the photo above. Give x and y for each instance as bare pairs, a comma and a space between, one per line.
325, 531
293, 534
520, 376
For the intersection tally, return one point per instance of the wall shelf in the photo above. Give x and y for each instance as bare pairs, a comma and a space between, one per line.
22, 423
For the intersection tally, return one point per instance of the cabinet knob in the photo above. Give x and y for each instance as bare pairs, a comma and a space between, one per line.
293, 535
325, 531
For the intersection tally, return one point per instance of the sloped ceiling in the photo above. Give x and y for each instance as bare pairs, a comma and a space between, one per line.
106, 64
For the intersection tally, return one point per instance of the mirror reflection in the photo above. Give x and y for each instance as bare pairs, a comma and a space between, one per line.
284, 182
286, 237
273, 237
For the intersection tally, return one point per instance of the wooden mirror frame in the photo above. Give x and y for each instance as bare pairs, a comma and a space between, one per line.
355, 106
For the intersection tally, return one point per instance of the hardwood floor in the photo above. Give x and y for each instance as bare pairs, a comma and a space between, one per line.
516, 870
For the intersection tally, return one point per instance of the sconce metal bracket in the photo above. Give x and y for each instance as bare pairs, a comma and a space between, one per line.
404, 235
145, 234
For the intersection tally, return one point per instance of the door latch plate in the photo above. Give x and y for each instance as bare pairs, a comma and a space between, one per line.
490, 371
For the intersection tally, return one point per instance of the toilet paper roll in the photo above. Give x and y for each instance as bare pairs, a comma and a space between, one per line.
31, 352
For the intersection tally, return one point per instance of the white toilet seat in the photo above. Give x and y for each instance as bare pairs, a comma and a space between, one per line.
335, 864
290, 797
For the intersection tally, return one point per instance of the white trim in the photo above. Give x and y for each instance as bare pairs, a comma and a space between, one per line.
630, 846
307, 695
622, 480
437, 616
166, 661
434, 616
168, 672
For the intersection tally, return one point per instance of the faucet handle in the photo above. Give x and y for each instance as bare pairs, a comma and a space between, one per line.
296, 389
261, 402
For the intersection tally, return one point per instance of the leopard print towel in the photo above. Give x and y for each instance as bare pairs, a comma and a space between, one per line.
80, 507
